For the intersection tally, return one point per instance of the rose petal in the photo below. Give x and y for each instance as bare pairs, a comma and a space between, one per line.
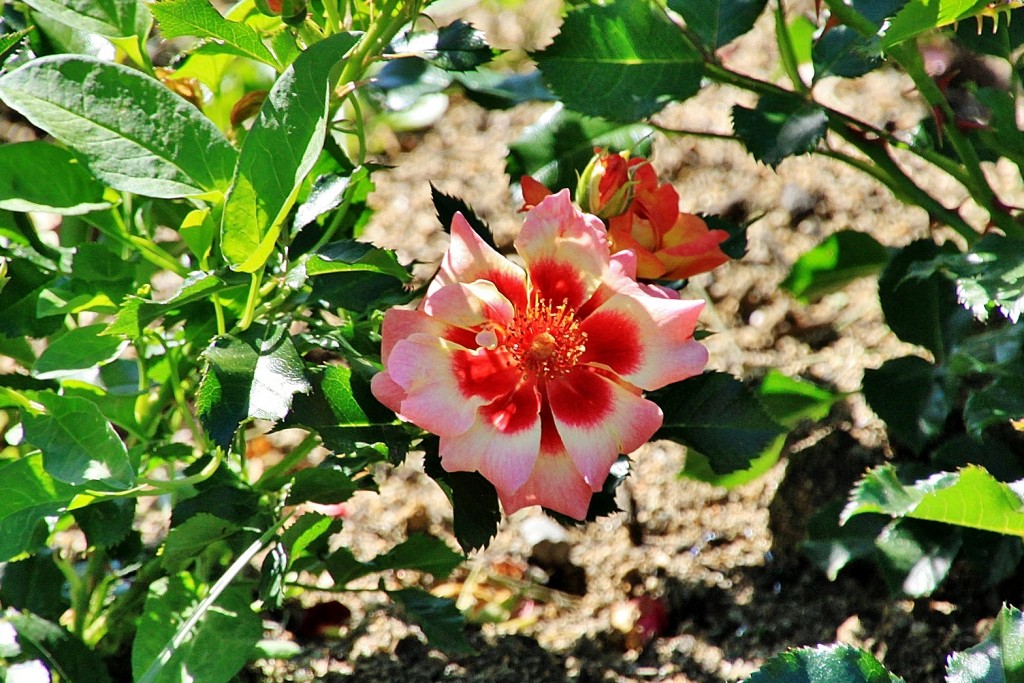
502, 444
469, 305
598, 419
401, 323
646, 340
469, 258
566, 251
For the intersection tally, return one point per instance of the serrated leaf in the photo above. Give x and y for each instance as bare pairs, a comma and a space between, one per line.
719, 21
719, 417
28, 494
136, 313
199, 18
831, 546
69, 189
455, 47
9, 40
447, 206
109, 18
350, 256
779, 127
494, 90
214, 651
107, 522
187, 541
918, 16
915, 556
76, 350
824, 664
132, 131
252, 375
838, 260
79, 445
922, 311
475, 510
990, 276
35, 584
64, 652
910, 396
969, 497
325, 485
623, 61
997, 659
309, 530
439, 619
419, 552
998, 403
559, 146
287, 136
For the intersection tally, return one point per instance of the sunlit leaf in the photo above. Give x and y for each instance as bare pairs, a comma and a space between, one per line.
252, 375
455, 47
133, 132
110, 18
79, 445
824, 664
76, 350
287, 136
915, 556
997, 659
199, 18
623, 61
838, 260
970, 497
918, 16
28, 494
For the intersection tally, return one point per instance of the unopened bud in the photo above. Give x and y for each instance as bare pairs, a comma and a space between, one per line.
604, 188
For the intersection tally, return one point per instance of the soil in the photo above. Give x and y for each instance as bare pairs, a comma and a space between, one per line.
724, 564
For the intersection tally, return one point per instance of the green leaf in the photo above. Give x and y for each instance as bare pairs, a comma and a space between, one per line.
918, 16
287, 136
840, 259
419, 552
440, 620
326, 485
214, 651
35, 584
494, 90
132, 131
922, 311
997, 659
9, 40
76, 350
623, 61
990, 276
790, 400
252, 375
910, 396
915, 557
998, 403
779, 126
106, 523
351, 256
188, 541
824, 664
719, 21
78, 443
970, 497
68, 189
136, 313
63, 652
447, 206
309, 531
559, 146
719, 417
199, 18
109, 18
831, 546
475, 510
455, 47
28, 494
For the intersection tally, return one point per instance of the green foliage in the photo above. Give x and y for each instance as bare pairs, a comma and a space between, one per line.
1000, 657
197, 18
621, 61
779, 127
718, 22
832, 664
556, 148
840, 259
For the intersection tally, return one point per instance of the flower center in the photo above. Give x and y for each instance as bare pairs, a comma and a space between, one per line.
545, 339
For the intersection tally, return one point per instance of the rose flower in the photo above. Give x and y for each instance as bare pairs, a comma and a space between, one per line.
642, 215
534, 376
